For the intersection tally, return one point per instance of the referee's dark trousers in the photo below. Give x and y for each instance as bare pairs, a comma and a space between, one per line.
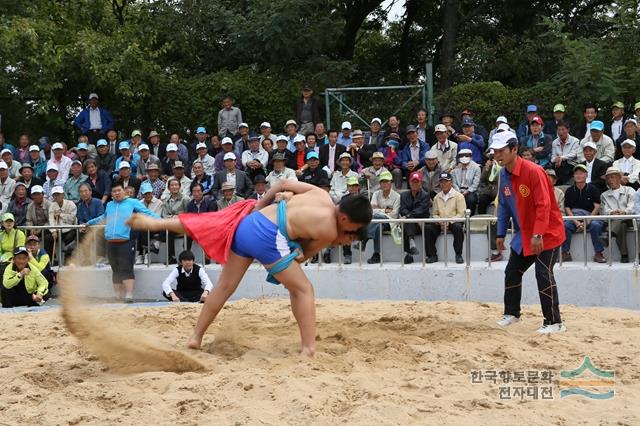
547, 289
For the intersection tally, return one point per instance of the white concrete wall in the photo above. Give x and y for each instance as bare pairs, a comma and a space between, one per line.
596, 285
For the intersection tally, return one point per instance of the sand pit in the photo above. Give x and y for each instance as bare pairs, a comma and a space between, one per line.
378, 363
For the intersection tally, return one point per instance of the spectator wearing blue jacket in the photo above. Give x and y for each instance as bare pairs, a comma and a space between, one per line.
94, 121
538, 142
126, 155
120, 249
88, 206
523, 128
469, 139
411, 157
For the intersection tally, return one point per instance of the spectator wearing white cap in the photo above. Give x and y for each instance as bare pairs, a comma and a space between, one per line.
229, 118
265, 132
297, 160
227, 147
291, 132
596, 168
371, 174
51, 181
605, 149
360, 152
94, 121
201, 137
501, 120
38, 215
445, 149
207, 161
307, 110
339, 178
62, 162
126, 155
12, 166
37, 161
564, 152
466, 178
629, 131
375, 136
280, 148
146, 158
344, 138
233, 176
431, 173
255, 159
72, 185
171, 158
27, 177
126, 178
156, 147
628, 164
241, 139
63, 212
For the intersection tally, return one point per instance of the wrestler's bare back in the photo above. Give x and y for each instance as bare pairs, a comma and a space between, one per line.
310, 216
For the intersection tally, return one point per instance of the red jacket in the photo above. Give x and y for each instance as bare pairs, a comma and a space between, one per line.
538, 211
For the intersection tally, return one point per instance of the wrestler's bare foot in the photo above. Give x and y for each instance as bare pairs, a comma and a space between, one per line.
194, 342
142, 222
308, 352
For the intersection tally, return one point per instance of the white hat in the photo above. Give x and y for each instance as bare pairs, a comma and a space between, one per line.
143, 146
52, 166
226, 141
6, 150
243, 125
502, 139
630, 142
3, 165
265, 124
124, 165
346, 125
589, 145
57, 190
344, 155
501, 119
440, 128
93, 96
281, 138
201, 145
291, 123
37, 189
431, 155
465, 151
172, 147
631, 120
503, 126
376, 120
298, 138
57, 145
229, 156
34, 148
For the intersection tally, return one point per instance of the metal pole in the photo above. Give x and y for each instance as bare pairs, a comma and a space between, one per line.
166, 238
635, 230
467, 224
584, 241
327, 109
489, 243
429, 88
360, 255
381, 257
610, 243
402, 246
422, 226
148, 251
446, 248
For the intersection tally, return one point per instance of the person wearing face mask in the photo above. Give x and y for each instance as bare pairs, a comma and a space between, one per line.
466, 178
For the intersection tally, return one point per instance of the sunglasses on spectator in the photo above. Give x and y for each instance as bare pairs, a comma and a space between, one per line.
464, 155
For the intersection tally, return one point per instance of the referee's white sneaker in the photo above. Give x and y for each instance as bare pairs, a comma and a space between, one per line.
507, 320
552, 328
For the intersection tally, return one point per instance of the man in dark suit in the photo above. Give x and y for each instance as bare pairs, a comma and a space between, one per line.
590, 113
615, 128
596, 168
360, 153
330, 152
243, 183
157, 148
259, 188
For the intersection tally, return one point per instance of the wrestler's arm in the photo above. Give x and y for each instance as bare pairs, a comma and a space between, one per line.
284, 185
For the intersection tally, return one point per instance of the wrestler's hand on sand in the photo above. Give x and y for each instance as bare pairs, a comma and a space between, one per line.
286, 196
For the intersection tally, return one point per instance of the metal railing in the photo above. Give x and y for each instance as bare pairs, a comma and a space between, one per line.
467, 220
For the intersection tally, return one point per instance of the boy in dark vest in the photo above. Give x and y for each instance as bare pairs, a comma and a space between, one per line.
193, 283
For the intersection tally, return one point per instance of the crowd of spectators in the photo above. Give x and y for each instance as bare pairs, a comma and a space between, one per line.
413, 171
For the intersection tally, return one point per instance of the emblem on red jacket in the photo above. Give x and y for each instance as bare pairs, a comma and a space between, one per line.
524, 190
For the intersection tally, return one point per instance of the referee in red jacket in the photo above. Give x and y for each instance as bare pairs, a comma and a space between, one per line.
526, 195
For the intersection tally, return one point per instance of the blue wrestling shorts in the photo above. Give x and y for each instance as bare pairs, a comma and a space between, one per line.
259, 238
